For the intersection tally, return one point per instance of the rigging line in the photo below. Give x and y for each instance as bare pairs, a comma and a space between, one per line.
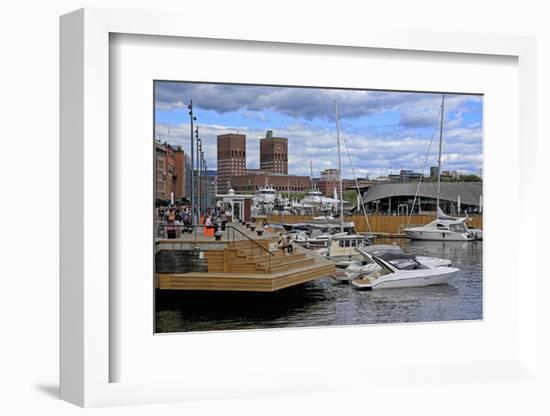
356, 183
422, 171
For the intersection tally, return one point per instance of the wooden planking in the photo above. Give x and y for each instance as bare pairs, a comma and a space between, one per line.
215, 260
236, 282
302, 277
290, 265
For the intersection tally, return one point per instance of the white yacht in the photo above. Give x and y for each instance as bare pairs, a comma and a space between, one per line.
444, 228
315, 198
391, 271
265, 199
347, 271
266, 194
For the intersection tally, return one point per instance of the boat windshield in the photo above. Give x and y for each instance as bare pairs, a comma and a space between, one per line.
459, 228
385, 269
395, 256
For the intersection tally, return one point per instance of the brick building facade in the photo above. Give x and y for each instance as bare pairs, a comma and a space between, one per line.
231, 159
283, 183
172, 171
274, 154
232, 171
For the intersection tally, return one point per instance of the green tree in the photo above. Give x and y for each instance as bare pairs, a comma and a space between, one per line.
470, 178
350, 196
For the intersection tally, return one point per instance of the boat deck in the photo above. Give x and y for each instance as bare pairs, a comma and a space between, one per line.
362, 284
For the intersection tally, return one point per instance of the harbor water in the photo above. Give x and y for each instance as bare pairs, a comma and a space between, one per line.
325, 302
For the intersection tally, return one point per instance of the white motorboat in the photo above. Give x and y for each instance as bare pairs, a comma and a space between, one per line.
444, 228
355, 267
397, 257
399, 272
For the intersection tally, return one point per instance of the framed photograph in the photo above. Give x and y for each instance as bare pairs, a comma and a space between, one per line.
264, 240
237, 213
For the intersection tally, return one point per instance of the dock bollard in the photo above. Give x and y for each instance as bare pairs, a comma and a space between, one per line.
260, 232
218, 235
252, 227
247, 224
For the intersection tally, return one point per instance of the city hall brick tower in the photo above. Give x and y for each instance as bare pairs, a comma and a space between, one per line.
274, 154
231, 159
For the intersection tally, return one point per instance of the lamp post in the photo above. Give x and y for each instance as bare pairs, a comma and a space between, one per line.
198, 171
207, 184
193, 210
204, 180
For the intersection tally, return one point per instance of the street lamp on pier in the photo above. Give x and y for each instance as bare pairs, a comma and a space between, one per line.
192, 118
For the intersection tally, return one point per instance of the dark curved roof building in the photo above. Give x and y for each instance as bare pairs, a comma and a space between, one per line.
391, 195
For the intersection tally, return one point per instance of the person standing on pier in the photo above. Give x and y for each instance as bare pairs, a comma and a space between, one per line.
288, 243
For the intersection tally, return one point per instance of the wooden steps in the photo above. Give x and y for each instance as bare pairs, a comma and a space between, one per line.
244, 260
286, 265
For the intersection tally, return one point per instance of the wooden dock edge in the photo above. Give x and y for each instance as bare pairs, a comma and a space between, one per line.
242, 282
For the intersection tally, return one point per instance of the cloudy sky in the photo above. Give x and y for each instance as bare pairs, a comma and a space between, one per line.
384, 131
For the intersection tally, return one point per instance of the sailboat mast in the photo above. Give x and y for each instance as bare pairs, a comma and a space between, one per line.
339, 167
439, 157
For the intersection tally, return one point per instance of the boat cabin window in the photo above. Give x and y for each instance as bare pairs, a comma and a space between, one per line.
351, 243
442, 227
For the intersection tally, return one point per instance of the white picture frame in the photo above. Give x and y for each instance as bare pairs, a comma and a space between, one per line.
85, 213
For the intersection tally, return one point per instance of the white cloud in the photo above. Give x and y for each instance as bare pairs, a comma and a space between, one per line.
374, 151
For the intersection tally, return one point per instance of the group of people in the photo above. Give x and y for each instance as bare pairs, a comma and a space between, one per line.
180, 215
174, 214
213, 218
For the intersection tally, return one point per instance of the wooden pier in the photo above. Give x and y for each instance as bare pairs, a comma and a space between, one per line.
249, 266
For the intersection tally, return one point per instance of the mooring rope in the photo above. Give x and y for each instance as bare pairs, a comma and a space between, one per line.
356, 182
